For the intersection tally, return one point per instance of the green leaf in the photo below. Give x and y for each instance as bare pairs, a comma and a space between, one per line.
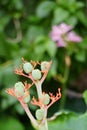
39, 51
60, 15
45, 8
12, 49
10, 124
85, 96
3, 22
83, 44
53, 70
72, 5
63, 2
72, 20
79, 5
17, 4
8, 76
81, 56
82, 18
33, 32
69, 121
51, 48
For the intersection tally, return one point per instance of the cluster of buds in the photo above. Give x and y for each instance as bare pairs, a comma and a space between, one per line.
21, 91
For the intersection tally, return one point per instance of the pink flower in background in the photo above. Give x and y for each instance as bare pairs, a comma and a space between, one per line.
57, 31
61, 42
72, 36
64, 28
62, 34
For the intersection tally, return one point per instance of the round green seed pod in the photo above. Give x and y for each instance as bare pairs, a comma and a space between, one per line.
46, 99
27, 67
36, 74
27, 99
39, 114
44, 65
19, 89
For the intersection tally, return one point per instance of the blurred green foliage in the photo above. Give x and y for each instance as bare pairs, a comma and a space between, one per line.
10, 123
66, 120
24, 32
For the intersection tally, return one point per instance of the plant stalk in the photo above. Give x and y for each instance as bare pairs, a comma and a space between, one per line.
64, 85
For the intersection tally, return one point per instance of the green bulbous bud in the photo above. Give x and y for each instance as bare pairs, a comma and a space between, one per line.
39, 114
36, 74
44, 65
46, 99
26, 99
19, 89
27, 67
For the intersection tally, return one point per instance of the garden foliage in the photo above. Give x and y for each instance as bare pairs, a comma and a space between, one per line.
26, 31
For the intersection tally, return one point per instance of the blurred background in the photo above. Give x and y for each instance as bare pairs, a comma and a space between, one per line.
25, 27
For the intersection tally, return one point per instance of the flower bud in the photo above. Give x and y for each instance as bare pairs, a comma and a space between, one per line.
26, 98
27, 67
36, 74
44, 65
46, 99
39, 114
19, 89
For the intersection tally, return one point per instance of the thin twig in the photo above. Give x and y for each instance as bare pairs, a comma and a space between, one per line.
19, 32
73, 94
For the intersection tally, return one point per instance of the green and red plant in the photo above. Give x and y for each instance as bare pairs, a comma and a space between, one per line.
22, 93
